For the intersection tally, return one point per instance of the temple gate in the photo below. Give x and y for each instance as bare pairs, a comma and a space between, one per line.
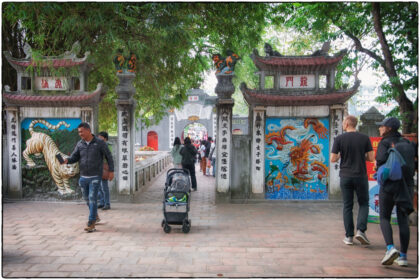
42, 116
296, 113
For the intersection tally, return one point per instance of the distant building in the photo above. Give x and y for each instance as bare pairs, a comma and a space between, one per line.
196, 119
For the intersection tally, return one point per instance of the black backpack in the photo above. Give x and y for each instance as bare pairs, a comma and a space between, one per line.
407, 150
188, 155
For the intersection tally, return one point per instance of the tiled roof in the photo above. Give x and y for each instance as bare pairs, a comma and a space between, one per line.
16, 99
63, 61
56, 63
259, 97
298, 63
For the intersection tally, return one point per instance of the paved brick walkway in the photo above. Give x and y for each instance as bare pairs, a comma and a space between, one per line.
46, 239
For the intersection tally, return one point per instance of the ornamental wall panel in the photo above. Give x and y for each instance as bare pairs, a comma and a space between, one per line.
258, 151
297, 158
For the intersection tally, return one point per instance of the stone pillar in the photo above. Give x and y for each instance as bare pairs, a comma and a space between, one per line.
258, 151
369, 120
224, 89
171, 130
86, 115
214, 124
126, 129
14, 152
336, 121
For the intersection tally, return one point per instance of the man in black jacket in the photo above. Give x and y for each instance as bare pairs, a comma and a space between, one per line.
90, 152
188, 153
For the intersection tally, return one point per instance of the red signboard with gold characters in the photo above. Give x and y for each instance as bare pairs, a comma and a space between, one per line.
374, 188
370, 165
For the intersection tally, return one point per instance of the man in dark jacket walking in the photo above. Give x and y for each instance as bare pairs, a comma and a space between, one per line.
90, 152
188, 153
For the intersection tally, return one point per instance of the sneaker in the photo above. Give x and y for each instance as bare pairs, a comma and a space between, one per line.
98, 220
90, 226
348, 240
100, 206
401, 261
390, 256
362, 238
106, 207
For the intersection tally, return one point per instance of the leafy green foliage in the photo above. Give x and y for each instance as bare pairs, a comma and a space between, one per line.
173, 43
336, 21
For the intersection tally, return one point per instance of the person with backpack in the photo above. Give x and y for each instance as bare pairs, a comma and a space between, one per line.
395, 192
212, 157
209, 144
188, 153
176, 156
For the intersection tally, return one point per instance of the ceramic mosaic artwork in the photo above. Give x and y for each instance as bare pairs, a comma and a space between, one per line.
296, 158
42, 140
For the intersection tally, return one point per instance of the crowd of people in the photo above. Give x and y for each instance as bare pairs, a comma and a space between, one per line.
186, 155
351, 148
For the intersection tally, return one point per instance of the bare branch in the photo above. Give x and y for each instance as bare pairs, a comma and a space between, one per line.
360, 48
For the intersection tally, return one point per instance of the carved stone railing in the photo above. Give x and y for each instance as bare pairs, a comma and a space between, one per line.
149, 167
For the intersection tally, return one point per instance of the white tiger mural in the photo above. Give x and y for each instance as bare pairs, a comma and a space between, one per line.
41, 143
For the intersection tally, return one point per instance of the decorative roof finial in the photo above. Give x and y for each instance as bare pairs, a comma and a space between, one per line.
324, 49
125, 64
27, 49
225, 65
269, 50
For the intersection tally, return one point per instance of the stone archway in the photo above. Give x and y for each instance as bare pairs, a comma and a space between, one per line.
196, 131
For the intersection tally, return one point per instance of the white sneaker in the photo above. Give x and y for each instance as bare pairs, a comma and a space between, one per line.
390, 256
362, 238
401, 261
348, 240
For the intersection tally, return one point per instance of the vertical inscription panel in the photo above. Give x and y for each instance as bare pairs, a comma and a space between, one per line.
258, 148
124, 150
13, 142
224, 140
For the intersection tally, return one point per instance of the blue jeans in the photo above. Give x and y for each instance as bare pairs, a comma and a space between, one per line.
90, 187
213, 162
348, 186
103, 194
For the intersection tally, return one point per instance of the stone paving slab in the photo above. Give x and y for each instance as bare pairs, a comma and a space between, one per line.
280, 239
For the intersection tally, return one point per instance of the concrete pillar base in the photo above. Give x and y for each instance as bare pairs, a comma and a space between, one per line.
258, 196
223, 197
14, 194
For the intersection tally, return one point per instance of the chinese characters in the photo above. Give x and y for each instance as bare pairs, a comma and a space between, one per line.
124, 165
171, 130
13, 141
224, 145
297, 81
258, 141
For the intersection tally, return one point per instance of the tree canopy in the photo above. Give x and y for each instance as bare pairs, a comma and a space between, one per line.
385, 32
174, 42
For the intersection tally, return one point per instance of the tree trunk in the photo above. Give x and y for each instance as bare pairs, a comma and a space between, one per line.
405, 104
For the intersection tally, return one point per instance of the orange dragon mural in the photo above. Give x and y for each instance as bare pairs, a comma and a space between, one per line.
279, 137
296, 163
318, 127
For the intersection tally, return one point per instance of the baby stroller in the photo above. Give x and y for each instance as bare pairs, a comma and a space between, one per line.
177, 199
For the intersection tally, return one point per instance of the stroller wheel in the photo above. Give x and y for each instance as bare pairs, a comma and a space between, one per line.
163, 223
186, 226
167, 229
